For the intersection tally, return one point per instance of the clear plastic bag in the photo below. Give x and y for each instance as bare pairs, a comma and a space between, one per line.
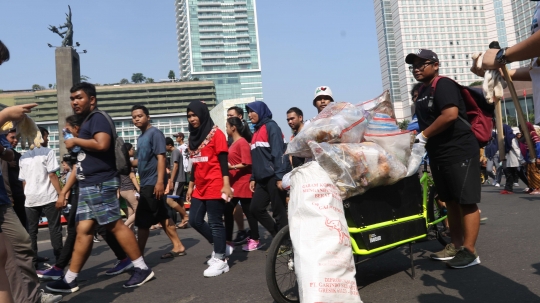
417, 154
396, 144
381, 104
338, 123
356, 167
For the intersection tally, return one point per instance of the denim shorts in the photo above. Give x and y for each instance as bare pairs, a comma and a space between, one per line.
99, 202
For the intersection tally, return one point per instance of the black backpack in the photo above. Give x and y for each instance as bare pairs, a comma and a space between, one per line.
121, 154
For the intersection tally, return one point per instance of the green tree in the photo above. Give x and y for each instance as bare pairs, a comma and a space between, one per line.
138, 78
403, 124
84, 78
37, 87
124, 81
195, 79
476, 83
149, 80
50, 85
171, 76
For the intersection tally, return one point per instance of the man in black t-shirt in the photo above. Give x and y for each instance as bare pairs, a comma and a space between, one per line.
454, 156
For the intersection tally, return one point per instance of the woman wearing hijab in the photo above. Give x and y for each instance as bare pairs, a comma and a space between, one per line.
269, 167
209, 184
533, 173
513, 159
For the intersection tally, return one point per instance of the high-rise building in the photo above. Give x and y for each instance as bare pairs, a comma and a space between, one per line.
454, 29
218, 41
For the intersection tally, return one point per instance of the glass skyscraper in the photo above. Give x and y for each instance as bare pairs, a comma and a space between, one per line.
454, 29
218, 41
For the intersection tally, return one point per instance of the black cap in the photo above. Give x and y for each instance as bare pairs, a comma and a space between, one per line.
422, 53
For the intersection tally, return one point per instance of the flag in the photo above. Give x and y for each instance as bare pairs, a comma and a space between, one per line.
524, 93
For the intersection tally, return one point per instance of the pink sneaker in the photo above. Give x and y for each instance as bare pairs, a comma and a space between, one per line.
251, 245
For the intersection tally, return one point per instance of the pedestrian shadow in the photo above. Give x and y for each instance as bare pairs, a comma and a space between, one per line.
473, 284
108, 293
379, 267
537, 267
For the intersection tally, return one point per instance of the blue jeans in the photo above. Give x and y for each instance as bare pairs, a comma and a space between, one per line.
214, 230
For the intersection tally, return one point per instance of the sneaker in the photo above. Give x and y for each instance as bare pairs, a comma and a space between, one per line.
53, 273
96, 240
63, 286
119, 267
497, 185
448, 253
216, 268
50, 298
526, 190
251, 245
464, 258
211, 260
505, 192
516, 184
241, 237
139, 277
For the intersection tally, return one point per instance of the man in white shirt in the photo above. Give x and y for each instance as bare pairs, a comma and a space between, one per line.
41, 188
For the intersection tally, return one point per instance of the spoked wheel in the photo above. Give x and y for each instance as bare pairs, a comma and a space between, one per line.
435, 212
280, 276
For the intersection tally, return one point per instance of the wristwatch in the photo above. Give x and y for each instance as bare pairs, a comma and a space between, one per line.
501, 56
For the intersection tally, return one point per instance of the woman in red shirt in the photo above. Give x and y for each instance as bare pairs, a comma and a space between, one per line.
209, 183
240, 175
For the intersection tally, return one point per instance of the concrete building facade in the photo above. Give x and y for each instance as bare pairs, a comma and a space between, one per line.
166, 102
454, 29
218, 41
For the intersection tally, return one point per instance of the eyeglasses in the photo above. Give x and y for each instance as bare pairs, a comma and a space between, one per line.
420, 66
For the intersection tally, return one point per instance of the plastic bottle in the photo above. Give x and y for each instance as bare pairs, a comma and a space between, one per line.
69, 135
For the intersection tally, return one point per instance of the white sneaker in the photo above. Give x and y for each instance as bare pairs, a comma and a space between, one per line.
211, 260
229, 249
516, 184
497, 185
216, 268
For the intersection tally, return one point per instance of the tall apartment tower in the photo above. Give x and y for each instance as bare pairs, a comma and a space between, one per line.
454, 29
218, 41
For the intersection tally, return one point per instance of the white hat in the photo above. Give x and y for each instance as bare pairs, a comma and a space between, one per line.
323, 91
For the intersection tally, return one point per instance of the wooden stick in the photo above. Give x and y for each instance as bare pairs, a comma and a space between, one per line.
499, 127
521, 119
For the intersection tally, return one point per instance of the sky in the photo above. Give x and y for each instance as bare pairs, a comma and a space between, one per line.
304, 44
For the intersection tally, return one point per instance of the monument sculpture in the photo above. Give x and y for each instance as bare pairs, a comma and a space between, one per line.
68, 33
68, 73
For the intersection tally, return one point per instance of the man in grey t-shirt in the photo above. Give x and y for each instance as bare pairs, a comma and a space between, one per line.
176, 182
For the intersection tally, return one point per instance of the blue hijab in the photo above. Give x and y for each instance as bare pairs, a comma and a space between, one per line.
261, 109
508, 137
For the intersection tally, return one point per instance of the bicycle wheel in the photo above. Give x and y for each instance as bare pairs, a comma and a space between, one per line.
280, 276
434, 213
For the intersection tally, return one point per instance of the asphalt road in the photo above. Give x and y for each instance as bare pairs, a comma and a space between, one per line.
508, 247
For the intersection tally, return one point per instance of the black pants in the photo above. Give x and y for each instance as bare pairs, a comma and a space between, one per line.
266, 190
229, 218
511, 174
20, 210
55, 228
522, 176
65, 256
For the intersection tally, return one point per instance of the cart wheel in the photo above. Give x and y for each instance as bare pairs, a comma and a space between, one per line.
434, 213
280, 276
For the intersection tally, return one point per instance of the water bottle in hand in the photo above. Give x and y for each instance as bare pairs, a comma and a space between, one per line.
69, 135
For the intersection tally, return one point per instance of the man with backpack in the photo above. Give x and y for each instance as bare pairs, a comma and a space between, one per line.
98, 179
453, 152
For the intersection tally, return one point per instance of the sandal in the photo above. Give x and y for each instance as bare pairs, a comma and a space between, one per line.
182, 225
173, 254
